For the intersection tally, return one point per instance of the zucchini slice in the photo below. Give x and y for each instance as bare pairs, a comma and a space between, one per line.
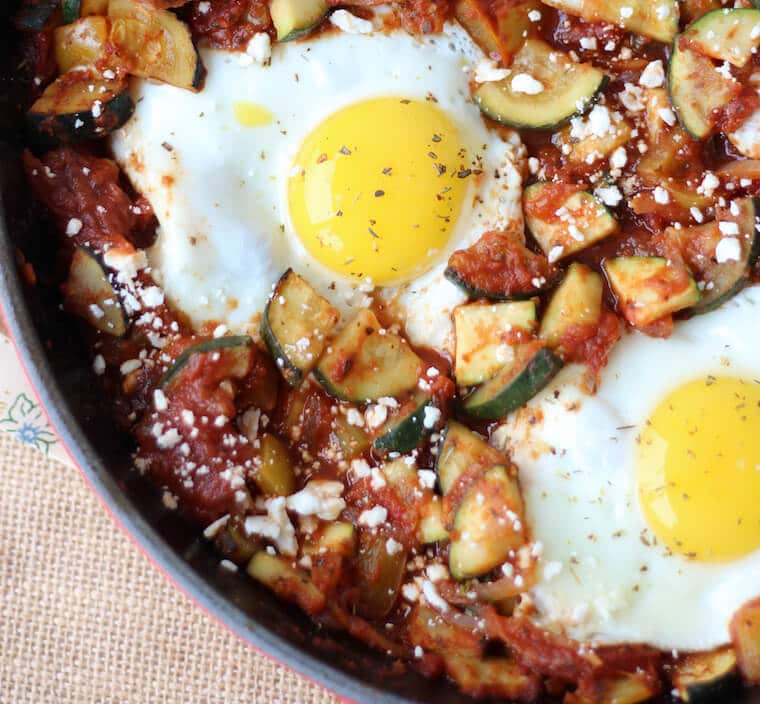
647, 288
486, 335
657, 20
697, 90
296, 18
33, 15
235, 347
576, 303
745, 636
475, 17
405, 431
297, 321
365, 362
703, 677
80, 43
462, 448
585, 147
79, 106
337, 538
567, 89
286, 581
564, 219
534, 366
487, 525
720, 282
625, 689
379, 576
499, 267
498, 677
71, 10
350, 440
275, 475
155, 44
513, 24
432, 529
730, 34
88, 292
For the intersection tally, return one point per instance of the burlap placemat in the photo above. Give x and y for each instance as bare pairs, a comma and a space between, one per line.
86, 619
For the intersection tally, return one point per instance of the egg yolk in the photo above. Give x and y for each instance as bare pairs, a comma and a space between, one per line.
377, 188
699, 469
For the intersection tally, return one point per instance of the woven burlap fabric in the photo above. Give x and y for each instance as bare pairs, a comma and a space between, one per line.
86, 619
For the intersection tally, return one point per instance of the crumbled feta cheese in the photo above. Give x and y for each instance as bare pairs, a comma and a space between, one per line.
126, 262
153, 296
159, 400
432, 416
487, 71
728, 250
74, 227
99, 364
275, 526
433, 597
619, 158
426, 478
351, 24
320, 498
393, 547
525, 83
667, 116
353, 417
609, 195
171, 438
632, 97
728, 227
130, 366
410, 591
709, 183
599, 121
373, 517
360, 468
212, 529
534, 16
661, 196
626, 12
375, 416
696, 213
437, 573
589, 43
653, 76
204, 7
259, 48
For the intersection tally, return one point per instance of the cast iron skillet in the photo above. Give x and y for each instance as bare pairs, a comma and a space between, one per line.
57, 365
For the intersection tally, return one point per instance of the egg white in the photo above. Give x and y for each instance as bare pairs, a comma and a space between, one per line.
578, 475
219, 189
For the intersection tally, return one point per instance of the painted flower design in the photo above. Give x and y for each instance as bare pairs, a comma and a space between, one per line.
27, 422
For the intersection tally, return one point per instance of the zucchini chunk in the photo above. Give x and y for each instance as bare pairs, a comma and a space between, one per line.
33, 15
297, 321
351, 441
71, 10
379, 577
585, 147
475, 17
745, 636
499, 267
657, 20
286, 581
275, 475
697, 90
155, 44
567, 89
703, 677
93, 7
564, 219
364, 362
88, 292
731, 34
296, 18
498, 677
487, 525
625, 689
71, 110
576, 303
428, 630
647, 288
236, 347
533, 367
720, 282
432, 529
405, 431
486, 335
514, 25
461, 449
81, 43
337, 538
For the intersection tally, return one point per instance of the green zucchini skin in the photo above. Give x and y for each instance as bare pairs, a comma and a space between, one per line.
71, 10
81, 125
702, 678
214, 345
475, 293
711, 300
294, 19
33, 15
497, 398
89, 283
404, 434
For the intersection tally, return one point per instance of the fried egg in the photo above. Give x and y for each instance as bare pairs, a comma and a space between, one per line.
644, 497
357, 159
